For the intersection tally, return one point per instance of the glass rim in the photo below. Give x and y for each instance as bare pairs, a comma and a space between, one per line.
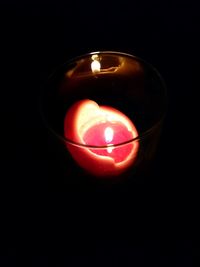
140, 136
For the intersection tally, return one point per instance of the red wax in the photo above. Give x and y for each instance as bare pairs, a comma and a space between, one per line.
95, 136
87, 124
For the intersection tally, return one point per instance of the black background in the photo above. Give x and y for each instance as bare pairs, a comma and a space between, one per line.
154, 223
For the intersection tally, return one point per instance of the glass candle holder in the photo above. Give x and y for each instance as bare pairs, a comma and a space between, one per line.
106, 110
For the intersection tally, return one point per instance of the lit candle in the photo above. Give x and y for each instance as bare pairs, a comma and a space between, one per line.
97, 132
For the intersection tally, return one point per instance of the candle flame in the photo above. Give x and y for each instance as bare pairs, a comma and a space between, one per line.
95, 65
109, 133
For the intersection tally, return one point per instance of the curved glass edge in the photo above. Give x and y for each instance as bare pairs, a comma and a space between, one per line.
141, 136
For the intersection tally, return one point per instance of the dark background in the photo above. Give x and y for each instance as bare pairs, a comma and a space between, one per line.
154, 223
